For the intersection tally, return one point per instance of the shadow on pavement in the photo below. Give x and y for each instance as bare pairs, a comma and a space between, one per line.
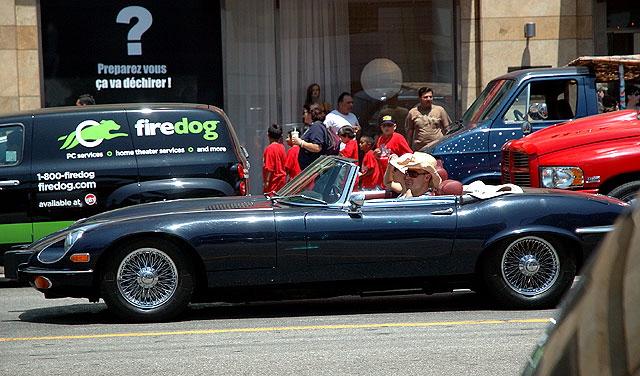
349, 305
98, 313
75, 314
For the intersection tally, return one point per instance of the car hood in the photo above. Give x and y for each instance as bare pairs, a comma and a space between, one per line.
178, 206
587, 130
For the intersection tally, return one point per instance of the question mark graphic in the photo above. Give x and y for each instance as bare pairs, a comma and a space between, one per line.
145, 19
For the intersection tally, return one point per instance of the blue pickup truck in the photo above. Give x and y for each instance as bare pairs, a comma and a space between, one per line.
529, 99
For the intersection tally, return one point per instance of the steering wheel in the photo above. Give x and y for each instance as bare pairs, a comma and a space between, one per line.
518, 115
334, 194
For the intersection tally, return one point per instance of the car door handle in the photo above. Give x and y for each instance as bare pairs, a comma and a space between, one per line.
447, 211
9, 183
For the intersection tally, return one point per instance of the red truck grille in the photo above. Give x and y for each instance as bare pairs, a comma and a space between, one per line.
515, 168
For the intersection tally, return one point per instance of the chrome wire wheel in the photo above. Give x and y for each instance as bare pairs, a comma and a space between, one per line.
147, 278
530, 266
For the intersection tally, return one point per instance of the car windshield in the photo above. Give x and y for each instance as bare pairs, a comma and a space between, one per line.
488, 102
327, 181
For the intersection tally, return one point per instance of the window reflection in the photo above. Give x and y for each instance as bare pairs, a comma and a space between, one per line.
275, 49
11, 144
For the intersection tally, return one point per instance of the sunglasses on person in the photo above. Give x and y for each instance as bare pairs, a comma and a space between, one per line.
414, 174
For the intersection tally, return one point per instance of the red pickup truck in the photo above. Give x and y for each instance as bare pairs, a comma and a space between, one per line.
596, 154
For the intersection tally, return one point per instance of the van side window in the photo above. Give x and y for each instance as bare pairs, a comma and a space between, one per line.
559, 96
11, 145
518, 110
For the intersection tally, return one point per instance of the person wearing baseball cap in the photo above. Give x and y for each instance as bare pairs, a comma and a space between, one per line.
389, 142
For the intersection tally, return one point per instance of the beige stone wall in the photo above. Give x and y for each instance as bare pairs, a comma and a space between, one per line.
19, 56
493, 39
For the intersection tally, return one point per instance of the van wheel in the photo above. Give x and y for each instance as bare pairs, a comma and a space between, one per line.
625, 192
528, 272
147, 280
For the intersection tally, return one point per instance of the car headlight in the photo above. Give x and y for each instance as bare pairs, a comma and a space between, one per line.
72, 237
561, 177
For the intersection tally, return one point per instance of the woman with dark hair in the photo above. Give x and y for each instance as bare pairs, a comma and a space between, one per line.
313, 97
306, 117
314, 141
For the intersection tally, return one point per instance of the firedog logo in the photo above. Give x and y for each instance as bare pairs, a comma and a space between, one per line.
90, 134
145, 127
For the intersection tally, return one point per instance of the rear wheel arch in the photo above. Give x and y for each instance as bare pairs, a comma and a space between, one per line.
571, 244
490, 270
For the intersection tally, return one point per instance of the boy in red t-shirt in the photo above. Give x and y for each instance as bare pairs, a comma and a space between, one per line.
291, 165
273, 175
370, 177
389, 142
347, 136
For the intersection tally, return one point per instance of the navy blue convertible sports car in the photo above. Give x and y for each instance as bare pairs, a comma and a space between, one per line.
317, 238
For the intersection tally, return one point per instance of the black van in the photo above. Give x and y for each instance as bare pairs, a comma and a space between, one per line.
58, 165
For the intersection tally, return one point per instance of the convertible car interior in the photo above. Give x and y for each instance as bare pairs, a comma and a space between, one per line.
447, 187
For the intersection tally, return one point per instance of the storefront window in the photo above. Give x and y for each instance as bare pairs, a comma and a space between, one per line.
414, 41
623, 28
381, 52
119, 52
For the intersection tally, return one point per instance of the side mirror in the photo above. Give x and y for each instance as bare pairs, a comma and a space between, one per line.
526, 128
244, 151
355, 203
538, 111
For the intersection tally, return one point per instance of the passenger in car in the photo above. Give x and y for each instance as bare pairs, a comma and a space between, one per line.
421, 177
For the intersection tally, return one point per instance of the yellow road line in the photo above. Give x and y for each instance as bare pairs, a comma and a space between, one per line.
275, 329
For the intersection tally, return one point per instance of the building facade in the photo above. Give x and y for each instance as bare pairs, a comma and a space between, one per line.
256, 58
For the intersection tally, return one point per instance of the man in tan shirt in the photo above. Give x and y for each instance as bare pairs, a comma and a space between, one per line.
427, 122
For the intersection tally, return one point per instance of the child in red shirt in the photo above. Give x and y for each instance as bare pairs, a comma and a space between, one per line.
389, 142
273, 175
370, 177
291, 165
347, 136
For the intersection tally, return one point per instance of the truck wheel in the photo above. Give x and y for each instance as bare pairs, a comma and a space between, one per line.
147, 280
528, 272
625, 192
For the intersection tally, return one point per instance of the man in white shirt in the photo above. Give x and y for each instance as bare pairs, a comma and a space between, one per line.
342, 116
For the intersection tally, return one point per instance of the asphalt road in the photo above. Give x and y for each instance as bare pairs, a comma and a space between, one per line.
443, 334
